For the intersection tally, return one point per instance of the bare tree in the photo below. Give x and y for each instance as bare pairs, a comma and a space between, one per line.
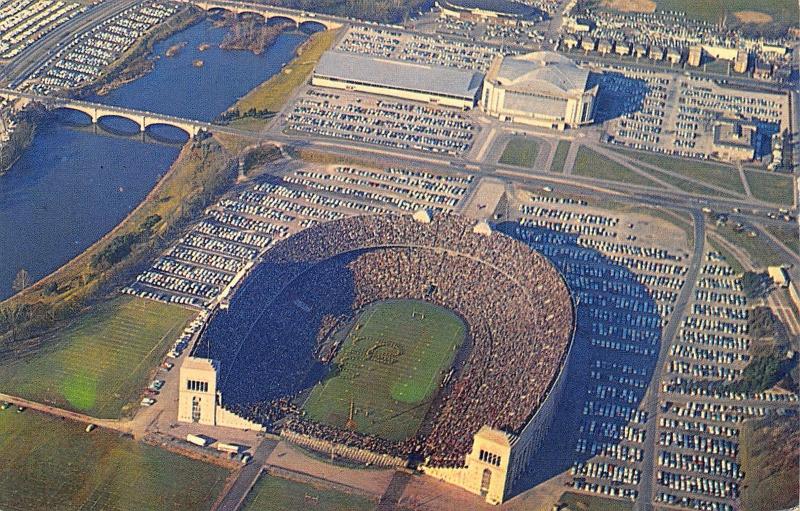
22, 280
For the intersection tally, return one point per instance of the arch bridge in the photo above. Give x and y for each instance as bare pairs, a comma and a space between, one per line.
97, 111
269, 11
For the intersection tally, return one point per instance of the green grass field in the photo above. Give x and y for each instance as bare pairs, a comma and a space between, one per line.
49, 463
390, 366
759, 249
520, 152
788, 235
589, 163
714, 10
277, 494
560, 157
710, 173
581, 502
770, 187
769, 454
100, 363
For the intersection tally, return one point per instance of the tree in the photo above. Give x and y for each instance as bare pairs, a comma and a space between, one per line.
22, 280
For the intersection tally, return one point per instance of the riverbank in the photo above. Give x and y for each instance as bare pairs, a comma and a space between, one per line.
19, 140
203, 171
255, 108
137, 61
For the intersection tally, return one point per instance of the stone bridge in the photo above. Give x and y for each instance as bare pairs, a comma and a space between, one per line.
97, 111
269, 11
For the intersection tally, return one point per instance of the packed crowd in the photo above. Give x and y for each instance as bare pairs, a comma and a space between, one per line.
519, 333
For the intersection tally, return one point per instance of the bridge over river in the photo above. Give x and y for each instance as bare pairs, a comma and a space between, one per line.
97, 111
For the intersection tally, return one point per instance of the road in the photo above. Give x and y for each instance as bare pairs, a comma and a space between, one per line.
651, 399
246, 478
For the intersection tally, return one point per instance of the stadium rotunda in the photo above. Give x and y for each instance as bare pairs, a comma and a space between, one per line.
540, 88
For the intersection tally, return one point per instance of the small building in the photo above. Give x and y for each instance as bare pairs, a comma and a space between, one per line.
422, 216
656, 53
605, 47
734, 140
762, 70
587, 44
639, 50
695, 56
779, 275
674, 56
571, 42
622, 48
742, 62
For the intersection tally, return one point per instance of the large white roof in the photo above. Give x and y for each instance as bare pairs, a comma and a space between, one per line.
542, 71
399, 74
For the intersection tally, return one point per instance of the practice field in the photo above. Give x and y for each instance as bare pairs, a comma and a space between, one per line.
390, 366
276, 494
520, 152
101, 363
758, 11
53, 464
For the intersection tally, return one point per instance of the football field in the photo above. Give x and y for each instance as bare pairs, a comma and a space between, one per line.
389, 367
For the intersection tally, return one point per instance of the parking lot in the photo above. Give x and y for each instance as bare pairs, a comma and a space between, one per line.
675, 114
419, 48
625, 270
405, 189
209, 261
380, 121
87, 56
23, 22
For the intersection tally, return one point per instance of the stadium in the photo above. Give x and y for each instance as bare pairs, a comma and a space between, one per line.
504, 12
432, 340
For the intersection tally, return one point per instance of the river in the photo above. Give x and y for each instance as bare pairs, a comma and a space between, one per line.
72, 185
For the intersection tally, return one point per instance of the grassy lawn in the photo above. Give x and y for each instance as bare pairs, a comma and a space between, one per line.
683, 184
589, 163
788, 234
561, 156
520, 152
759, 250
775, 188
277, 494
273, 94
714, 10
711, 173
581, 502
390, 366
100, 363
50, 463
770, 449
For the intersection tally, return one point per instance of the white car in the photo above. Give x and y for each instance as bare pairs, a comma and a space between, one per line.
148, 401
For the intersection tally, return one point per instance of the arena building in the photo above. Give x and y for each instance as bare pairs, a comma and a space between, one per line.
407, 80
501, 12
489, 408
542, 89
